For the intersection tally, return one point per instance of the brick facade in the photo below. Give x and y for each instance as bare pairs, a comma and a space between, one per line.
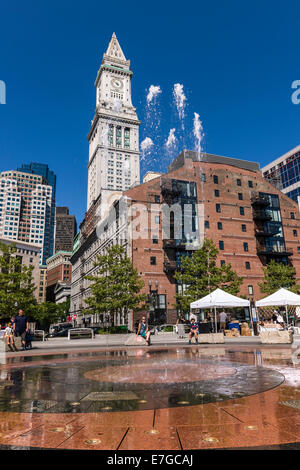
236, 188
231, 198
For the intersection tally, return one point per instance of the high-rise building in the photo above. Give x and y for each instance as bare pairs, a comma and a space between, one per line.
284, 173
49, 178
114, 135
65, 229
43, 170
26, 210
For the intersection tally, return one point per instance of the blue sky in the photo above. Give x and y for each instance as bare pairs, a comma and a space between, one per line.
236, 61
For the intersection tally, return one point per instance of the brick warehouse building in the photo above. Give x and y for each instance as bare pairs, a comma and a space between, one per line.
59, 269
250, 221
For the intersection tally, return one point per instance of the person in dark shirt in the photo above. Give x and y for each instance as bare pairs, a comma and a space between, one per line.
194, 330
21, 326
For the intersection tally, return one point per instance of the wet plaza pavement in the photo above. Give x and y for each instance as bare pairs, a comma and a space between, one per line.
164, 398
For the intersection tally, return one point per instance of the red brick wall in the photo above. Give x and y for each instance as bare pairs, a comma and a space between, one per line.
232, 221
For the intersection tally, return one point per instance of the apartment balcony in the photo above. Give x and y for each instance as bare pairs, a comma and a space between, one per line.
174, 243
167, 189
170, 266
261, 215
260, 233
259, 201
274, 251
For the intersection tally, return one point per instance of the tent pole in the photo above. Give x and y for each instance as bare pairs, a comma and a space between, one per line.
287, 318
216, 327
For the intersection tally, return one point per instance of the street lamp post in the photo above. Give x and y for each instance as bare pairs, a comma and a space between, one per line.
152, 297
253, 316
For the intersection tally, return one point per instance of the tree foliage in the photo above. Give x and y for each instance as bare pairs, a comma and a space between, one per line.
200, 275
116, 285
278, 275
48, 313
16, 283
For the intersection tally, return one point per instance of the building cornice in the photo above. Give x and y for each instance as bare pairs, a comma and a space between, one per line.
109, 68
109, 117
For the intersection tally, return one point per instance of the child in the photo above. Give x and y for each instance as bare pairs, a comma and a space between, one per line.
8, 334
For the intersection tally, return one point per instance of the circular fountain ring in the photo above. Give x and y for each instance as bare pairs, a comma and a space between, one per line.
130, 380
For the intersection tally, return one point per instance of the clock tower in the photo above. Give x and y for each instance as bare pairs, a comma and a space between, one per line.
114, 164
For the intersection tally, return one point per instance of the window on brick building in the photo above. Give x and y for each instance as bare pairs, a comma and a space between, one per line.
157, 199
292, 215
245, 246
247, 265
206, 224
217, 193
155, 239
250, 184
244, 228
298, 249
218, 208
250, 290
203, 177
295, 233
221, 245
152, 260
240, 195
222, 262
216, 179
242, 211
220, 226
239, 182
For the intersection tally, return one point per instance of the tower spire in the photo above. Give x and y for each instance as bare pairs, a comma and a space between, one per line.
114, 50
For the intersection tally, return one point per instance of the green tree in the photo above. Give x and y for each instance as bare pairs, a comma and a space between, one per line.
48, 313
278, 275
16, 283
116, 286
200, 275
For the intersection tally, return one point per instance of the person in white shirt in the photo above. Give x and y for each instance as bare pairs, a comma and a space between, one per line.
8, 334
223, 318
280, 320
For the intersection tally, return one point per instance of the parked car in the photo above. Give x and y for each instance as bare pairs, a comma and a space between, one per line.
60, 327
59, 334
166, 327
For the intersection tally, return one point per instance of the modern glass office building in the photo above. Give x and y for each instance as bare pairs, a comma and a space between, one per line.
49, 178
284, 173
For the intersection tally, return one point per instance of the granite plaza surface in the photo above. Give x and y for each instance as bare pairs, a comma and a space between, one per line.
174, 397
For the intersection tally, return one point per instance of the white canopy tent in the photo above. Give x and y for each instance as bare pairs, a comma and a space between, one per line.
219, 299
281, 298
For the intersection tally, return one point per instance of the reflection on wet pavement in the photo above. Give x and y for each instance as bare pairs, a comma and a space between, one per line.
164, 398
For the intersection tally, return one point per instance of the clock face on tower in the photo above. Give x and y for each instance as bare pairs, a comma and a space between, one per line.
117, 83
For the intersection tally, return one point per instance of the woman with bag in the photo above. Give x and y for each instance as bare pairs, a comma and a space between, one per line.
180, 326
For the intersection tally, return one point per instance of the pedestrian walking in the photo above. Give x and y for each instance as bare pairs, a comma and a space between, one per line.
223, 318
21, 326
